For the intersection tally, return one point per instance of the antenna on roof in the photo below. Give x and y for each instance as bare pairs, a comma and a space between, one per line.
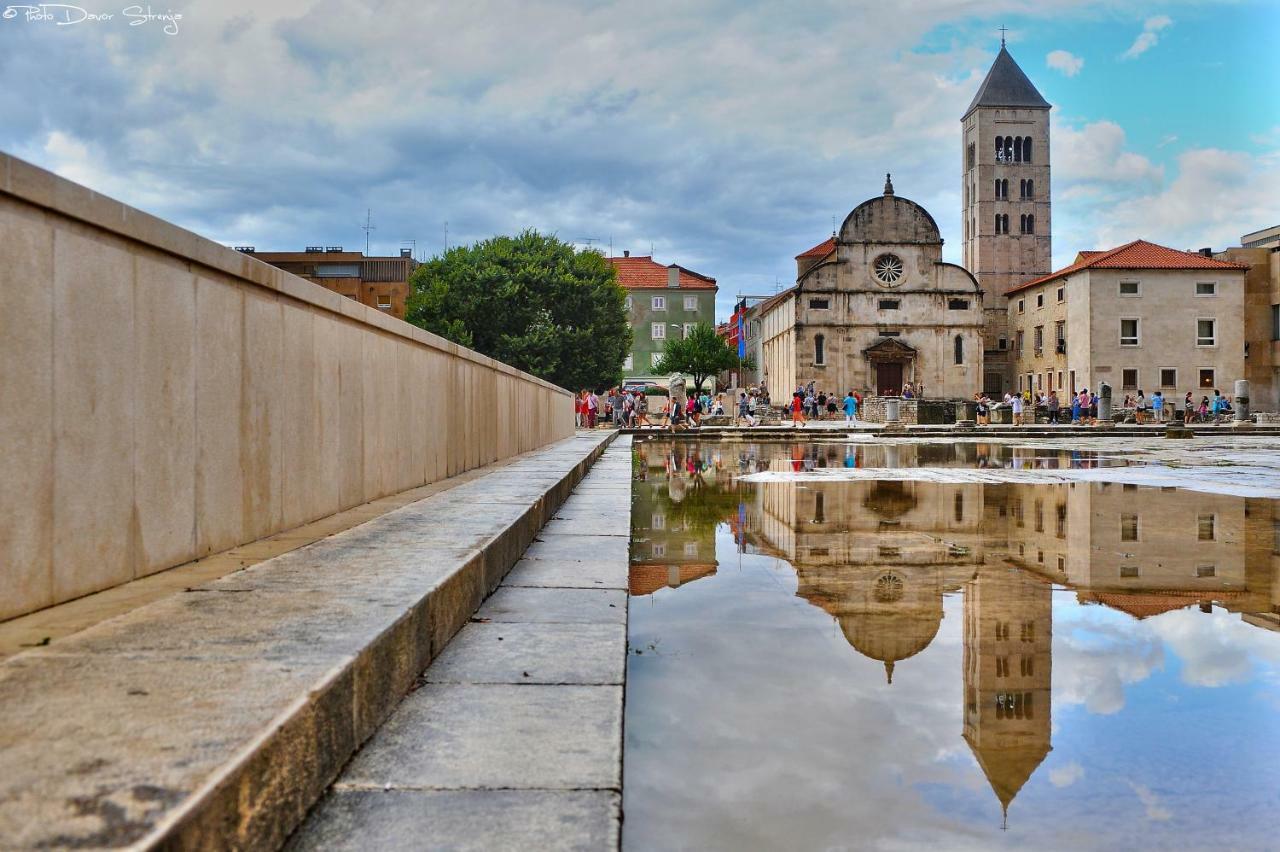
1003, 30
367, 227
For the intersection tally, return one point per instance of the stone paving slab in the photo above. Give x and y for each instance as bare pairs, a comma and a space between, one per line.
464, 821
514, 740
486, 736
216, 717
575, 606
585, 527
593, 574
532, 653
564, 548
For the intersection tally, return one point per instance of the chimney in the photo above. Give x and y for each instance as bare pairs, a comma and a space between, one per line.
626, 252
1207, 252
673, 276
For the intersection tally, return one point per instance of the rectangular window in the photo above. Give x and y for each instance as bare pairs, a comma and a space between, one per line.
1275, 322
690, 303
1206, 571
1062, 294
628, 363
659, 303
1129, 379
1206, 378
654, 358
888, 304
1039, 300
1017, 342
1130, 288
626, 303
1003, 343
688, 329
893, 332
1039, 338
658, 330
659, 550
690, 548
658, 522
384, 302
1128, 527
1128, 570
1206, 332
1168, 377
819, 304
958, 305
1022, 304
1206, 288
1128, 332
1208, 527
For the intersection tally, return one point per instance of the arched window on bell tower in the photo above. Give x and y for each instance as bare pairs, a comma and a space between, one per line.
1031, 188
1031, 223
1017, 150
819, 350
1026, 150
999, 149
959, 353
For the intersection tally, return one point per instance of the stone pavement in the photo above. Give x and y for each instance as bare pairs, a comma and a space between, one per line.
513, 739
217, 716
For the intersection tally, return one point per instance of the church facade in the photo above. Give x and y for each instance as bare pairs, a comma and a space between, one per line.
874, 308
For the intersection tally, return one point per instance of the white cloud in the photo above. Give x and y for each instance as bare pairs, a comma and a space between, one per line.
1149, 36
1065, 776
1065, 61
1155, 811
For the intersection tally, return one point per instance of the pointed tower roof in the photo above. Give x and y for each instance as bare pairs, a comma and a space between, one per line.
1008, 769
1007, 86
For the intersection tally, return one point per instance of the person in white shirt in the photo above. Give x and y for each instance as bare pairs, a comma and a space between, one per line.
1017, 409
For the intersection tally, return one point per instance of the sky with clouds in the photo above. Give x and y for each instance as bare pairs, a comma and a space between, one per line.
724, 135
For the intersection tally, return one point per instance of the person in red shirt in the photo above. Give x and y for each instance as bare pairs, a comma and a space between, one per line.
797, 410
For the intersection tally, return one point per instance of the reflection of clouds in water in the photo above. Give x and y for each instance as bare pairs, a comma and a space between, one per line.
1155, 811
1094, 661
1215, 651
1065, 776
849, 749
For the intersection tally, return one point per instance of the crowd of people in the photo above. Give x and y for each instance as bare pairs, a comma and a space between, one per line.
1081, 408
635, 409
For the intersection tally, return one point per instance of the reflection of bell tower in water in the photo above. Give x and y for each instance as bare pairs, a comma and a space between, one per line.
1008, 634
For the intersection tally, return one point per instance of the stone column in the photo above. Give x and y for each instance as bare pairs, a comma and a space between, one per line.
1240, 404
1104, 406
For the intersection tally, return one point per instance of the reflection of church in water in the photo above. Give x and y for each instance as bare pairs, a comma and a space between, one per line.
879, 559
879, 556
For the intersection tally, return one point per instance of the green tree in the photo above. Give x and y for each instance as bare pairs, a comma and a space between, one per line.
700, 355
530, 301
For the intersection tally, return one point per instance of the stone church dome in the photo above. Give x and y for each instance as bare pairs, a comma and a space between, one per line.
890, 218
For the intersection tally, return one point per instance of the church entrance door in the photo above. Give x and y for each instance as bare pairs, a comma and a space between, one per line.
889, 378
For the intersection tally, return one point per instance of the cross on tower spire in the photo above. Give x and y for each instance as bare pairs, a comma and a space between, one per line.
1003, 30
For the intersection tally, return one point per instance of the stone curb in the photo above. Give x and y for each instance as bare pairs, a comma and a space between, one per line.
272, 696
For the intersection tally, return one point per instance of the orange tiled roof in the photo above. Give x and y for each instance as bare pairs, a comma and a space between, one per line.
822, 249
1138, 254
645, 578
643, 272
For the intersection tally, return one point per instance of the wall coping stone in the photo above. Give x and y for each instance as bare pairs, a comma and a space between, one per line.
44, 189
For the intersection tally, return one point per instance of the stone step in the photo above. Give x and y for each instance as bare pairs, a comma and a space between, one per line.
215, 718
514, 740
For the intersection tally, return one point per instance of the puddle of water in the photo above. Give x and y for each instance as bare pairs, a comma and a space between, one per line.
907, 664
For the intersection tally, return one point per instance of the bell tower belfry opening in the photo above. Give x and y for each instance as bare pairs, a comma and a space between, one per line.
1005, 200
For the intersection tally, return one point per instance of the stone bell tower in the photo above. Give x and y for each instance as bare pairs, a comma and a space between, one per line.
1005, 200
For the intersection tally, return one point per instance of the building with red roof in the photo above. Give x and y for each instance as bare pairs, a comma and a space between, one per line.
1140, 316
663, 300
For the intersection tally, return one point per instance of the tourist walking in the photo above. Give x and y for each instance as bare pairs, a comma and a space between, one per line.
1017, 402
982, 409
593, 408
744, 410
797, 409
1157, 407
850, 409
642, 410
1140, 409
1053, 406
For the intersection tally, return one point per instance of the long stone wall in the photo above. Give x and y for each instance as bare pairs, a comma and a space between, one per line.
163, 397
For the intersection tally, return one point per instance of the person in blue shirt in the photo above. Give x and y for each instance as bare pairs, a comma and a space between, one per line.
850, 408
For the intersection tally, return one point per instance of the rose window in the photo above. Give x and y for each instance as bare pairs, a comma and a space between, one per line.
888, 588
888, 269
